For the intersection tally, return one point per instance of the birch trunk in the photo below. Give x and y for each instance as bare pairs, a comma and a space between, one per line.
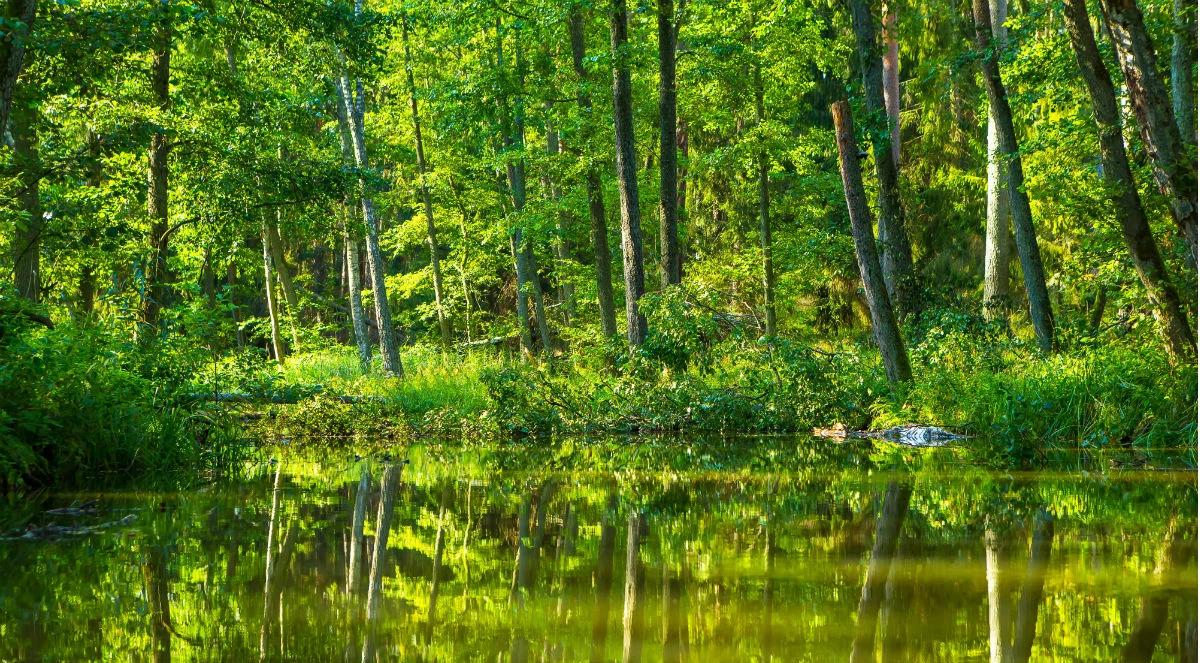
627, 188
272, 303
351, 260
996, 276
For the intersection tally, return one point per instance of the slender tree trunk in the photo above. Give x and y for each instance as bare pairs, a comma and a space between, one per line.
383, 312
19, 14
283, 271
27, 238
156, 199
562, 245
595, 194
1183, 80
635, 579
668, 201
351, 260
683, 180
435, 260
1135, 229
1031, 587
883, 320
272, 301
997, 240
1175, 172
764, 212
1022, 215
627, 188
891, 77
604, 581
231, 283
896, 258
887, 531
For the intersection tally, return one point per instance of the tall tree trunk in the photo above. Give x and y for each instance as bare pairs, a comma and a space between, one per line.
27, 238
435, 260
635, 579
272, 301
1175, 172
668, 200
997, 240
1135, 229
230, 284
156, 199
883, 320
764, 211
682, 139
1031, 587
562, 245
896, 258
1183, 80
283, 271
891, 77
887, 531
595, 194
1022, 215
383, 312
627, 188
19, 14
358, 318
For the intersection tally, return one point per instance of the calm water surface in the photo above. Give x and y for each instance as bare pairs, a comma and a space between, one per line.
717, 551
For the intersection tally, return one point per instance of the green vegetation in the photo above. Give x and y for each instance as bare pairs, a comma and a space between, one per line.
316, 220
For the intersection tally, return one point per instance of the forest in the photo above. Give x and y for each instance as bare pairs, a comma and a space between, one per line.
406, 219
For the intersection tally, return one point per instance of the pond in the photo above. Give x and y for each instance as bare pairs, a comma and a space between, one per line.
787, 549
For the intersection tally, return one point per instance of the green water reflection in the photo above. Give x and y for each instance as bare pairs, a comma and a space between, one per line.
724, 551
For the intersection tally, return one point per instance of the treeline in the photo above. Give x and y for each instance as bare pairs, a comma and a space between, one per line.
284, 172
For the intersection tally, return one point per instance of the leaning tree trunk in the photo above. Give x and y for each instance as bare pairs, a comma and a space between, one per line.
996, 237
20, 15
627, 187
435, 260
896, 258
27, 237
883, 320
1022, 215
1135, 229
383, 311
764, 211
668, 175
1175, 172
156, 198
599, 230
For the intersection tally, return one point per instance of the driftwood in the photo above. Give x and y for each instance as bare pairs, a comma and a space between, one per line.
53, 531
911, 435
494, 340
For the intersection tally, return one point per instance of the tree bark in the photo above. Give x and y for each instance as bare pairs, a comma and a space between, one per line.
1135, 229
272, 301
764, 212
896, 258
1174, 171
891, 77
1183, 80
27, 237
358, 318
668, 163
435, 260
887, 532
12, 51
157, 173
283, 271
383, 312
627, 187
883, 320
562, 245
595, 194
1022, 216
997, 240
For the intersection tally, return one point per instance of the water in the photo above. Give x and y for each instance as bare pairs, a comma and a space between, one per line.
745, 551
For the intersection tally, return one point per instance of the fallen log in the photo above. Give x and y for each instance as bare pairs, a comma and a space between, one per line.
911, 435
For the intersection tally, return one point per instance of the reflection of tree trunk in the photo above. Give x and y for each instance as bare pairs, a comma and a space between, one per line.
356, 531
383, 526
522, 569
896, 600
1155, 602
1031, 587
272, 534
887, 531
768, 589
999, 621
634, 581
439, 547
158, 591
604, 578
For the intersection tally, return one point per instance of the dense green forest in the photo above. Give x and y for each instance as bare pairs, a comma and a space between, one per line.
393, 219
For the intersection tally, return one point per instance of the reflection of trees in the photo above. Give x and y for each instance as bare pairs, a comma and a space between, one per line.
383, 526
999, 617
604, 579
635, 580
1031, 587
356, 530
887, 531
158, 599
1153, 613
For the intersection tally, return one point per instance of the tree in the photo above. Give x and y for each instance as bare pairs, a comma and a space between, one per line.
996, 238
1022, 216
18, 23
1135, 229
671, 264
627, 186
157, 173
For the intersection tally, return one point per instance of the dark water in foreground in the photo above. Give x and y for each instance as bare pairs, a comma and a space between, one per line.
710, 552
